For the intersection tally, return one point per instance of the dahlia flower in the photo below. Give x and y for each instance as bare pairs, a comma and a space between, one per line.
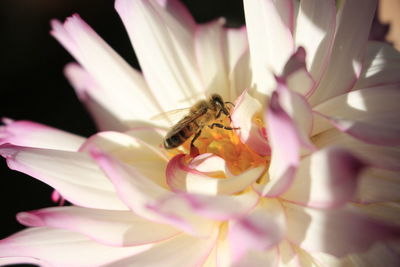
307, 177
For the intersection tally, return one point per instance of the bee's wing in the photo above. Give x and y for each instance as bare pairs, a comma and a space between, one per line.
172, 115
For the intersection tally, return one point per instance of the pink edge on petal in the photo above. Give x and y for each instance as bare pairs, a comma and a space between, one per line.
242, 117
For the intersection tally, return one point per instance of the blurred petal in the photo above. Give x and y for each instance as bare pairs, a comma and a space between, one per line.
55, 247
268, 258
181, 177
163, 44
211, 56
117, 86
269, 25
109, 227
183, 250
32, 134
315, 29
380, 67
370, 115
348, 50
74, 175
326, 179
337, 232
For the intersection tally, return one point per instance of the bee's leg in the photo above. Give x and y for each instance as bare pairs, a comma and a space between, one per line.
218, 114
230, 103
219, 125
195, 137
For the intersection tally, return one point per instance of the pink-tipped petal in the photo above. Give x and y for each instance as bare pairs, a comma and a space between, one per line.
326, 179
297, 77
183, 250
56, 247
269, 25
348, 49
246, 111
196, 179
211, 57
370, 115
315, 29
74, 175
337, 232
386, 157
32, 134
380, 67
114, 85
269, 258
164, 46
109, 227
260, 230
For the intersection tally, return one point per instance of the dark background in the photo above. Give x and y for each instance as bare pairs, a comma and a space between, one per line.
32, 85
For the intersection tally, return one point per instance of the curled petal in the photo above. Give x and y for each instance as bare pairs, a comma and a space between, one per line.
74, 175
109, 227
164, 46
337, 232
181, 177
244, 116
56, 247
348, 50
369, 114
326, 179
32, 134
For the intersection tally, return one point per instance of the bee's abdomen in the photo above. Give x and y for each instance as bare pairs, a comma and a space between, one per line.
178, 138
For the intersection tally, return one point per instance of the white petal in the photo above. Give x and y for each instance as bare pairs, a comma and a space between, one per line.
32, 134
118, 87
55, 247
164, 46
369, 114
379, 156
269, 25
109, 227
348, 49
315, 28
211, 57
181, 177
380, 67
74, 175
180, 251
326, 179
337, 232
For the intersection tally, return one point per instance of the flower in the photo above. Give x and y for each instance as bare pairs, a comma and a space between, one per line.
308, 177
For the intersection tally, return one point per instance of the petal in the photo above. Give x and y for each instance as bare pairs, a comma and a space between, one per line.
56, 247
387, 212
109, 227
370, 115
288, 124
297, 77
378, 156
378, 255
163, 43
315, 29
245, 116
181, 177
147, 159
380, 67
268, 258
183, 250
239, 71
337, 232
348, 49
260, 230
118, 87
32, 134
378, 185
210, 40
74, 175
269, 25
140, 194
326, 179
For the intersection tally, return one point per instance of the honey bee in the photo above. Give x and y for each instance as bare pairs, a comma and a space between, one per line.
200, 115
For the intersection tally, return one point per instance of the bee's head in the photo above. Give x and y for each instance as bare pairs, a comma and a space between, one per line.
217, 102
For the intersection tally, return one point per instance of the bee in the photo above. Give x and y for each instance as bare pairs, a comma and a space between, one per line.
200, 115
